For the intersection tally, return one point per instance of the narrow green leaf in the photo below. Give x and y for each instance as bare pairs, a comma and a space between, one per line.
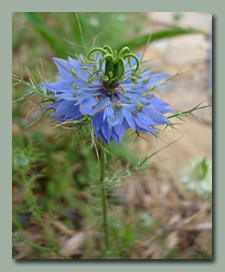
137, 42
39, 25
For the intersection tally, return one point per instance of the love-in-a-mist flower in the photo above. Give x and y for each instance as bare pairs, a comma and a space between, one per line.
198, 176
112, 90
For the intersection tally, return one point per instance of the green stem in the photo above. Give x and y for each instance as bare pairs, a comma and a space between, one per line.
104, 204
41, 248
37, 211
17, 223
186, 112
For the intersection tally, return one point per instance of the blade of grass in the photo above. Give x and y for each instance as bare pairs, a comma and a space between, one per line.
39, 25
142, 40
41, 248
81, 33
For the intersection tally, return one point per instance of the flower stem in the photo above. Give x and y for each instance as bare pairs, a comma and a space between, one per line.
104, 204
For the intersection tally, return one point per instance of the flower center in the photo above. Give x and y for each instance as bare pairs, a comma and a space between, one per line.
114, 65
108, 87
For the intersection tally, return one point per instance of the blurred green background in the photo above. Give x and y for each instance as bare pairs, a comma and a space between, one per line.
62, 172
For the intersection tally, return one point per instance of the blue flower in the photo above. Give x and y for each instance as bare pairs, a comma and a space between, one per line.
112, 89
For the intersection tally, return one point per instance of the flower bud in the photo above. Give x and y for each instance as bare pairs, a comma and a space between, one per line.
73, 72
151, 88
81, 58
137, 111
150, 97
146, 80
137, 75
110, 74
142, 70
74, 86
145, 94
86, 61
139, 104
122, 88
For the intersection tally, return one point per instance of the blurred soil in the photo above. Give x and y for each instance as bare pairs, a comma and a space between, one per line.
171, 55
187, 90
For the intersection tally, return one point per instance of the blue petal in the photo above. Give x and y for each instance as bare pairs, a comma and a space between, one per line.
107, 132
158, 77
142, 121
117, 119
150, 129
120, 131
160, 105
102, 104
64, 68
66, 108
130, 119
100, 134
82, 75
87, 105
154, 116
112, 116
97, 121
54, 104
